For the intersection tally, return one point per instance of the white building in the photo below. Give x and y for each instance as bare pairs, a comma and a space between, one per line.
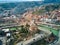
5, 30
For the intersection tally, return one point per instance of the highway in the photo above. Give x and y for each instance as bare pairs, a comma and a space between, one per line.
38, 37
44, 30
46, 33
9, 25
56, 32
49, 28
33, 39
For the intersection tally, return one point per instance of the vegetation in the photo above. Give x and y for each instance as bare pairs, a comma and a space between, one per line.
38, 12
47, 8
13, 28
22, 6
54, 31
57, 22
40, 42
23, 29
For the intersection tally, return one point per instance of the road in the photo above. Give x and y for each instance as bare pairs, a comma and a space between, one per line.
58, 42
49, 29
7, 26
45, 30
32, 40
36, 37
3, 39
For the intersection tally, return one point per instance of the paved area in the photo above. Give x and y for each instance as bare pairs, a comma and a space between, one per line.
32, 40
3, 39
45, 30
58, 42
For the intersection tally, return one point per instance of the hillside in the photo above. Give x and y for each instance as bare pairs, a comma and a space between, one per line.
21, 7
47, 8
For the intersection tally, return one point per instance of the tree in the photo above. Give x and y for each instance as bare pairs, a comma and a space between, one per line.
24, 29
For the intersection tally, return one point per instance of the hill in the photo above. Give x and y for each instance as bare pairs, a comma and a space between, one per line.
21, 7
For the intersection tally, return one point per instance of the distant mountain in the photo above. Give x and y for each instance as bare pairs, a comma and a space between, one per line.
52, 1
20, 7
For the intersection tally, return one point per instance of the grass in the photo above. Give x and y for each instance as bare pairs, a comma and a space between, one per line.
13, 29
54, 31
40, 42
39, 12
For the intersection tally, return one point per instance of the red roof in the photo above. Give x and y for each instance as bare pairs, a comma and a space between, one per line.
58, 14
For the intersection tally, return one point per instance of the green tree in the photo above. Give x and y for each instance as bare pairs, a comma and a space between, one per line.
24, 29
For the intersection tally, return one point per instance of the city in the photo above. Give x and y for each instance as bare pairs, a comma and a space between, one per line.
36, 26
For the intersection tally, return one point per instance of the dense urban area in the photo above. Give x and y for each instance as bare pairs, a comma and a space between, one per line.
35, 26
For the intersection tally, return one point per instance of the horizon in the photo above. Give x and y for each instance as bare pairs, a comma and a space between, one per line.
8, 1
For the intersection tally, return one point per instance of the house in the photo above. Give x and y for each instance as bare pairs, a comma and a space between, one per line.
58, 15
58, 18
33, 28
12, 16
5, 30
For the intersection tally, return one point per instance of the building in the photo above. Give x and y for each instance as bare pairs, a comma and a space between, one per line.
58, 15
